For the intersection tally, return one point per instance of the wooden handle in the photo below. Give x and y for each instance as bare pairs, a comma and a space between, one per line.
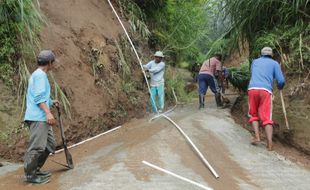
284, 110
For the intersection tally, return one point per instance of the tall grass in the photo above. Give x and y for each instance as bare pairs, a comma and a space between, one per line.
20, 22
61, 97
250, 17
136, 17
24, 75
123, 64
175, 83
291, 45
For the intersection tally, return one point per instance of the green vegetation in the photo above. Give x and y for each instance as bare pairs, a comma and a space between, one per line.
20, 22
251, 17
118, 112
292, 45
60, 95
121, 47
128, 87
179, 28
282, 25
239, 77
175, 81
135, 16
176, 27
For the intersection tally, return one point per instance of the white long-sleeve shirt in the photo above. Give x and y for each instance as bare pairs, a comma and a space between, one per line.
157, 71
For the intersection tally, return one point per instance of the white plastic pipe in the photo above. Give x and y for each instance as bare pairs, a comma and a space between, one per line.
139, 60
170, 110
176, 175
160, 115
175, 97
92, 138
135, 51
194, 146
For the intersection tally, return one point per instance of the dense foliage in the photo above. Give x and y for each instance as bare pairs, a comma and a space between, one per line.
239, 77
177, 27
19, 25
251, 17
282, 25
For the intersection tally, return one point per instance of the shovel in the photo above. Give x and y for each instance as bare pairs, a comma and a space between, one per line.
64, 143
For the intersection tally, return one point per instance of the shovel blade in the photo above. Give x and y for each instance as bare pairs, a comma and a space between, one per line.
69, 159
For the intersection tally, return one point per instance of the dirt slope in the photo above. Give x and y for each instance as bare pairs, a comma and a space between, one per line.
83, 34
73, 25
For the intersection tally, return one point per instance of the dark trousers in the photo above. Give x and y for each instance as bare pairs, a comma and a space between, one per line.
205, 81
41, 144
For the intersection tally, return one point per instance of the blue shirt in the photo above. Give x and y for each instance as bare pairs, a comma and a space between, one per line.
263, 71
39, 90
157, 71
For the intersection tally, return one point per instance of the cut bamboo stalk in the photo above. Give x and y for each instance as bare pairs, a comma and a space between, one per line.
284, 110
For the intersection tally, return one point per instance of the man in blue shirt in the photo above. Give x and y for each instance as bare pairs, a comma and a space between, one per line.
39, 119
263, 71
156, 69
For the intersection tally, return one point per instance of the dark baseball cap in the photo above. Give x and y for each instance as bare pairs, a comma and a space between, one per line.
45, 56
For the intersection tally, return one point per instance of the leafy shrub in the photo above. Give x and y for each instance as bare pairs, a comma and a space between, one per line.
239, 77
20, 22
175, 81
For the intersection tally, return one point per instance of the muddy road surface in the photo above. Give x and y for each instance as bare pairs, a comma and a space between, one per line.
114, 161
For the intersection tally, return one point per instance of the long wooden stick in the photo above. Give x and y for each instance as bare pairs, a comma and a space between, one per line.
284, 110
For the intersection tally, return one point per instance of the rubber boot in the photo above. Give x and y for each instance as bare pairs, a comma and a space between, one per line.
218, 100
201, 101
44, 174
31, 164
37, 179
41, 160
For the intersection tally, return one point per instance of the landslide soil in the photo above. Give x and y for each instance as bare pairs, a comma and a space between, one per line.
82, 34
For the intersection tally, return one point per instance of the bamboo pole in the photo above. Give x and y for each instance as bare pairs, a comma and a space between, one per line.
284, 110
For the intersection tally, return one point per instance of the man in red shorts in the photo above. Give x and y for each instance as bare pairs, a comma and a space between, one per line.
263, 71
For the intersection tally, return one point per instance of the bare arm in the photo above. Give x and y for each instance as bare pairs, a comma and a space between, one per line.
49, 116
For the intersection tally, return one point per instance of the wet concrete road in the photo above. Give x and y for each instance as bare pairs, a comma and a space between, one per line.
114, 161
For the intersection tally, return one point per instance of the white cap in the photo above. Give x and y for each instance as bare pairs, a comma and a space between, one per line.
159, 54
267, 51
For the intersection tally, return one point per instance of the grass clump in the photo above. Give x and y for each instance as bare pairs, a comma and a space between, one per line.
174, 81
239, 77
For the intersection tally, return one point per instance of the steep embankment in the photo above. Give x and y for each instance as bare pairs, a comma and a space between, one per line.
297, 106
83, 34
